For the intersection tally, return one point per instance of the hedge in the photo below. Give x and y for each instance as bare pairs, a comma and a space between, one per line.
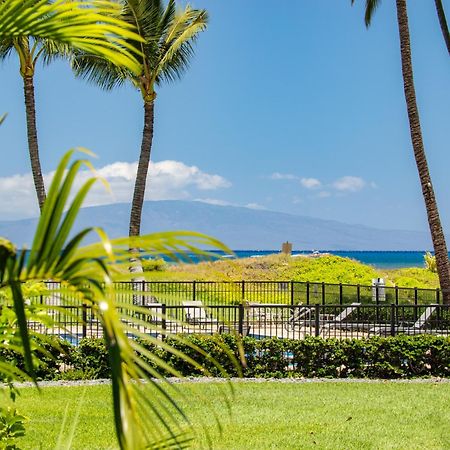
376, 357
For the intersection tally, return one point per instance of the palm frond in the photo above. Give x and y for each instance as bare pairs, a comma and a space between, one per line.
177, 46
92, 26
371, 6
146, 414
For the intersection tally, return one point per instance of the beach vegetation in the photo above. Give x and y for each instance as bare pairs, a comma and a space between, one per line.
326, 268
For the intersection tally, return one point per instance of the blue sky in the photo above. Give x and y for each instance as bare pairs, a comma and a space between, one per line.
290, 106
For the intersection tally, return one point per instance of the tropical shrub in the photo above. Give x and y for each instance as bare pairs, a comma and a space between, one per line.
393, 357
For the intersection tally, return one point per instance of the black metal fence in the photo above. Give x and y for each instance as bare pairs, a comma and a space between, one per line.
74, 322
279, 292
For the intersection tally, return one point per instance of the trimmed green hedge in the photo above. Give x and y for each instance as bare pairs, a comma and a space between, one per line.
376, 357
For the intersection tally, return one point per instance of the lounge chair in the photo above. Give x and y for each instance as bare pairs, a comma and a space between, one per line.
416, 328
262, 312
300, 316
196, 314
155, 312
339, 321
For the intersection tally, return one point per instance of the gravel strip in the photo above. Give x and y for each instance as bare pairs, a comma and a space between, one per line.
245, 380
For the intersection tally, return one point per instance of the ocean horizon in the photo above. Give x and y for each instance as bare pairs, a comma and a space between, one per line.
388, 259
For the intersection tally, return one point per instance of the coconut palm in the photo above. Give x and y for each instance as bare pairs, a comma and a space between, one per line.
168, 36
443, 23
32, 49
434, 222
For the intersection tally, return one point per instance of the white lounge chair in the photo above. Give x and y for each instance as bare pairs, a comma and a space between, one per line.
196, 314
339, 321
416, 328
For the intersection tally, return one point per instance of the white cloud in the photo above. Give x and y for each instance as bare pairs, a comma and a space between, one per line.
214, 201
167, 180
323, 194
310, 183
254, 206
349, 184
282, 176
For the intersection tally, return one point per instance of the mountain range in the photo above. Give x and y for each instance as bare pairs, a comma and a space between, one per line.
238, 227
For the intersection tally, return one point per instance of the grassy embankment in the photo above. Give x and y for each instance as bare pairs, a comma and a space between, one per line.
328, 269
264, 416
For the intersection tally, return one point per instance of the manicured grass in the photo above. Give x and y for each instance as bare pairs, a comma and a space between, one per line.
382, 415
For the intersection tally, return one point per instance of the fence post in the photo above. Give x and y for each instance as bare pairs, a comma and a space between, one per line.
340, 293
163, 321
241, 319
358, 293
143, 293
393, 321
292, 292
437, 295
41, 299
396, 295
84, 320
307, 292
243, 290
323, 293
193, 290
415, 304
317, 320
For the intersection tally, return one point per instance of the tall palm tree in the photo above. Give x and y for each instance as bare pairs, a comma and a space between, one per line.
443, 23
168, 36
434, 222
30, 50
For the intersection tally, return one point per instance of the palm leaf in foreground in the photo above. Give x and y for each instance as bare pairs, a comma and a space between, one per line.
145, 410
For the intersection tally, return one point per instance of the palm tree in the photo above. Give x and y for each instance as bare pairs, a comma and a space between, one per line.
434, 222
443, 23
30, 50
146, 415
168, 37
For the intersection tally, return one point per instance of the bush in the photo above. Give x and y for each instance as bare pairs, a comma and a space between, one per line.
54, 355
392, 357
153, 265
91, 358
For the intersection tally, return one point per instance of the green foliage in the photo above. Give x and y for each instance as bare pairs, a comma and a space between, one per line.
393, 357
326, 268
12, 426
413, 277
332, 269
430, 262
90, 358
71, 23
153, 265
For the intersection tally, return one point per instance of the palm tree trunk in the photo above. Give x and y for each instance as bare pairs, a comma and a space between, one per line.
33, 149
437, 234
141, 176
443, 23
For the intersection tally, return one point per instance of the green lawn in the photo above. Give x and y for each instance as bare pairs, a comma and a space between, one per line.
382, 415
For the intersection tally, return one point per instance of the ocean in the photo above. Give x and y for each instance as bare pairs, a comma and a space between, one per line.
379, 259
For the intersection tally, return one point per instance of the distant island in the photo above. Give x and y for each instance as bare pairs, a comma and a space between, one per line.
238, 227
